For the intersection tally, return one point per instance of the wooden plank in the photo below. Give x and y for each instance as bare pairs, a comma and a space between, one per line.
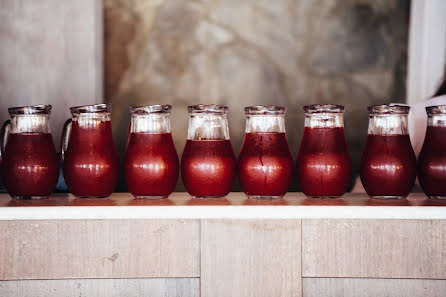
374, 248
357, 287
250, 258
99, 249
164, 287
51, 53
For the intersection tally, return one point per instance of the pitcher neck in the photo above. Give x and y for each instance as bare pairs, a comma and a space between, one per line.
208, 122
265, 119
30, 119
324, 116
436, 116
388, 119
97, 112
150, 119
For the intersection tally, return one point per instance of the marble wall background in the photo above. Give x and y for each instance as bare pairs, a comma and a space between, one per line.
240, 53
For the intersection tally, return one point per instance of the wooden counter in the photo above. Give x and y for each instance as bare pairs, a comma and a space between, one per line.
296, 246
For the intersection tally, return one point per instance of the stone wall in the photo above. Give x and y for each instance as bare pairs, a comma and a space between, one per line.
251, 52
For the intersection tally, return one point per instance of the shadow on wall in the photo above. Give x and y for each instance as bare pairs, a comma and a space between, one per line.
241, 53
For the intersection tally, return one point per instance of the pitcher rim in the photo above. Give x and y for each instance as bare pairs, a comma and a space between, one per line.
208, 108
149, 109
323, 108
436, 109
38, 109
91, 108
265, 110
389, 109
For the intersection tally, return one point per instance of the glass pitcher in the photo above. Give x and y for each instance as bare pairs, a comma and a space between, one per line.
90, 159
265, 165
432, 158
208, 161
324, 165
30, 166
388, 162
151, 161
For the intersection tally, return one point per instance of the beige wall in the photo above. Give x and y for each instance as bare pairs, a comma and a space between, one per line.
50, 53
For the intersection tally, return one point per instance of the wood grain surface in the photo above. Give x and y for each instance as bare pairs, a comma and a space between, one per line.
250, 258
99, 249
164, 287
374, 248
357, 287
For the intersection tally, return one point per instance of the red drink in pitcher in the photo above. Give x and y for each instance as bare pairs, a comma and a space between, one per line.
265, 165
31, 166
324, 163
151, 165
208, 167
388, 165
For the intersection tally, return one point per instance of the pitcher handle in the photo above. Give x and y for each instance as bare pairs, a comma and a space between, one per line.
4, 134
65, 137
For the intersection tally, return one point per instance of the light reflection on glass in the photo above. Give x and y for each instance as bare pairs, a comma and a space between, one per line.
208, 167
34, 168
94, 167
393, 168
150, 166
324, 167
436, 167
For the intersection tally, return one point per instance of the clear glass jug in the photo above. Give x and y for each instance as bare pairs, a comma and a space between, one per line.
323, 163
388, 162
265, 165
90, 159
208, 161
151, 163
30, 166
432, 158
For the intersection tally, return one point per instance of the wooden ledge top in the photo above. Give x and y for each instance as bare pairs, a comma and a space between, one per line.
234, 206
